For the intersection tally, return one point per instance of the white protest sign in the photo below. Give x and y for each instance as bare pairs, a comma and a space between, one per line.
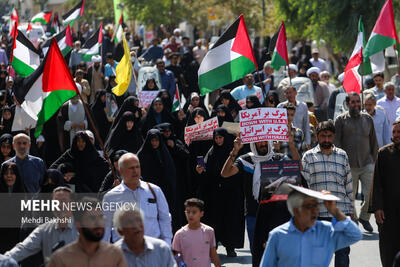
201, 131
146, 97
263, 124
242, 102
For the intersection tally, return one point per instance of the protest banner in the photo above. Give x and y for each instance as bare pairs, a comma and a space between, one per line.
263, 124
146, 97
274, 173
242, 102
201, 131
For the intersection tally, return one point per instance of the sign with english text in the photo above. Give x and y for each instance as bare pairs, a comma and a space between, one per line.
263, 124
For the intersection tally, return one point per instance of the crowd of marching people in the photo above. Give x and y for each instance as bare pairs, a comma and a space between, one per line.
346, 143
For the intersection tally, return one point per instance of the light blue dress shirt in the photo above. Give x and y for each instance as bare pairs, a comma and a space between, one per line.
157, 219
289, 247
382, 127
241, 92
110, 70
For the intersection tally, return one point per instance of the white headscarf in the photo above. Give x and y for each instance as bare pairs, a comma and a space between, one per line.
256, 166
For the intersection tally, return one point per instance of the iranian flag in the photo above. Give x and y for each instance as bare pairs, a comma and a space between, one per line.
25, 57
176, 103
119, 32
50, 86
14, 21
28, 29
75, 13
383, 35
352, 77
42, 17
64, 42
92, 45
228, 60
280, 56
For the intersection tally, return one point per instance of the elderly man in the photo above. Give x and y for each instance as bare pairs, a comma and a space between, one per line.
95, 74
355, 134
316, 61
265, 79
88, 250
381, 122
32, 169
385, 198
318, 94
49, 235
304, 241
139, 249
301, 118
389, 102
241, 92
146, 196
285, 82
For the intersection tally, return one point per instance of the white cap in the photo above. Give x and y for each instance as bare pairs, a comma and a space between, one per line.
177, 30
40, 139
313, 69
293, 67
285, 188
96, 59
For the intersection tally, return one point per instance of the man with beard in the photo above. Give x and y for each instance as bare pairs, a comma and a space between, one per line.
95, 74
355, 134
241, 92
385, 197
260, 219
327, 167
32, 169
89, 250
319, 93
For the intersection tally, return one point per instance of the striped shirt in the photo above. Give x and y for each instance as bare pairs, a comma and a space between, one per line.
332, 173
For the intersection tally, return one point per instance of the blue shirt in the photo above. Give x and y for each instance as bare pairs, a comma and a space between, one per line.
153, 53
32, 170
7, 262
157, 220
289, 247
383, 129
110, 70
241, 92
168, 82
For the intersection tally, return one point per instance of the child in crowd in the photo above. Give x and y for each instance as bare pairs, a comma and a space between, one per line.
196, 241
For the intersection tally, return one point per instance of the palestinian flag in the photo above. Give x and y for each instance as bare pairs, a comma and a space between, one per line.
14, 22
49, 87
25, 57
383, 35
92, 45
75, 13
64, 42
228, 60
43, 17
176, 103
120, 30
356, 67
280, 56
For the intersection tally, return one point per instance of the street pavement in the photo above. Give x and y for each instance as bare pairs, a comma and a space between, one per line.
365, 253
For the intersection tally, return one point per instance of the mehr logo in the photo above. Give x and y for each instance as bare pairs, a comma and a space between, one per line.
56, 205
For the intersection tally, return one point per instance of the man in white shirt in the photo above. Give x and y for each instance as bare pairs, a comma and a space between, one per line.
389, 102
316, 61
146, 196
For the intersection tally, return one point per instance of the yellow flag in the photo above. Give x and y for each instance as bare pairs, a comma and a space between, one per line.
123, 71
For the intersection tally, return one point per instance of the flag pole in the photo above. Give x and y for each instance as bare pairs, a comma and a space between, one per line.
362, 79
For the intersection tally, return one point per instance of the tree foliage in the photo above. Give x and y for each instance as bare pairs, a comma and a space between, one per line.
95, 10
334, 21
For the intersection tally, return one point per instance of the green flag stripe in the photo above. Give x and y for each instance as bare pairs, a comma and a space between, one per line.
50, 106
377, 43
225, 74
277, 61
21, 68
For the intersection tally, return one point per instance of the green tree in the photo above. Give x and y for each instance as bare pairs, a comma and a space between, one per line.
334, 21
95, 10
